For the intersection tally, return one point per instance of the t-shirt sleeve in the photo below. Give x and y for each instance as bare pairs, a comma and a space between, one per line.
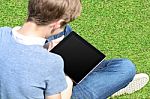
56, 81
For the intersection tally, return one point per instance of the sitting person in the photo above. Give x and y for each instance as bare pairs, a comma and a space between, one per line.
29, 71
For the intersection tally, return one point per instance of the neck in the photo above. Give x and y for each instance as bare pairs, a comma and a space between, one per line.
31, 29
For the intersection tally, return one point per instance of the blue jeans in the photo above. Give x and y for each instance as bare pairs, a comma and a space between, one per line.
109, 77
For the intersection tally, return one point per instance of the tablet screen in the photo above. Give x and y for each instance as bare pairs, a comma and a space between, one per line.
79, 56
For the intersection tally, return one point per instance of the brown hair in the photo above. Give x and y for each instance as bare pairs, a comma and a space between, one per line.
43, 12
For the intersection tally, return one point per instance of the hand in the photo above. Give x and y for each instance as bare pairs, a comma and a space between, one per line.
53, 43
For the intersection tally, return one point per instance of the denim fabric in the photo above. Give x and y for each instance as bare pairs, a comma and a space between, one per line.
109, 77
66, 31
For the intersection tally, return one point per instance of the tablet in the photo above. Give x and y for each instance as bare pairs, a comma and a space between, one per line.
80, 57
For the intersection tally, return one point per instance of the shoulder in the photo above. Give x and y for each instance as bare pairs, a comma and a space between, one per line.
4, 31
49, 59
49, 55
55, 59
55, 62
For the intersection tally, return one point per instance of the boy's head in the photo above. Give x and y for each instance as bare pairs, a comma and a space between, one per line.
44, 12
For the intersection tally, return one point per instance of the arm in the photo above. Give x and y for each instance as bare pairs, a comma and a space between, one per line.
66, 94
56, 96
53, 43
58, 86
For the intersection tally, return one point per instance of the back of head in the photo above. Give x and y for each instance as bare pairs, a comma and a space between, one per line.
43, 12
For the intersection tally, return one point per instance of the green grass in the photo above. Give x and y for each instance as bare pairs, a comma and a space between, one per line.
119, 28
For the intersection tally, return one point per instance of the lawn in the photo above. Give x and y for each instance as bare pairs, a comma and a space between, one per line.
119, 28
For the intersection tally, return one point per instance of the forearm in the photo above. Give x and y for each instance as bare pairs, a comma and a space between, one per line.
56, 96
66, 94
50, 45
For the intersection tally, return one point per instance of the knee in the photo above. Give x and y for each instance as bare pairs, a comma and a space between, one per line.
128, 68
124, 67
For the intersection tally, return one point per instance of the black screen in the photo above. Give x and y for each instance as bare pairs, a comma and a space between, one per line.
79, 56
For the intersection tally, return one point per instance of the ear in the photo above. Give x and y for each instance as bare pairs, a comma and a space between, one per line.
56, 24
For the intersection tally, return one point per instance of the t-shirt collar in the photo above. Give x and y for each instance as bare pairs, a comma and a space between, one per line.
27, 40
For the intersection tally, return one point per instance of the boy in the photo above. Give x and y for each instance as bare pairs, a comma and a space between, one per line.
28, 71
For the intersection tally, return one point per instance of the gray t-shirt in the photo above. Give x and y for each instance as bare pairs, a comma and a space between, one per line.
28, 71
